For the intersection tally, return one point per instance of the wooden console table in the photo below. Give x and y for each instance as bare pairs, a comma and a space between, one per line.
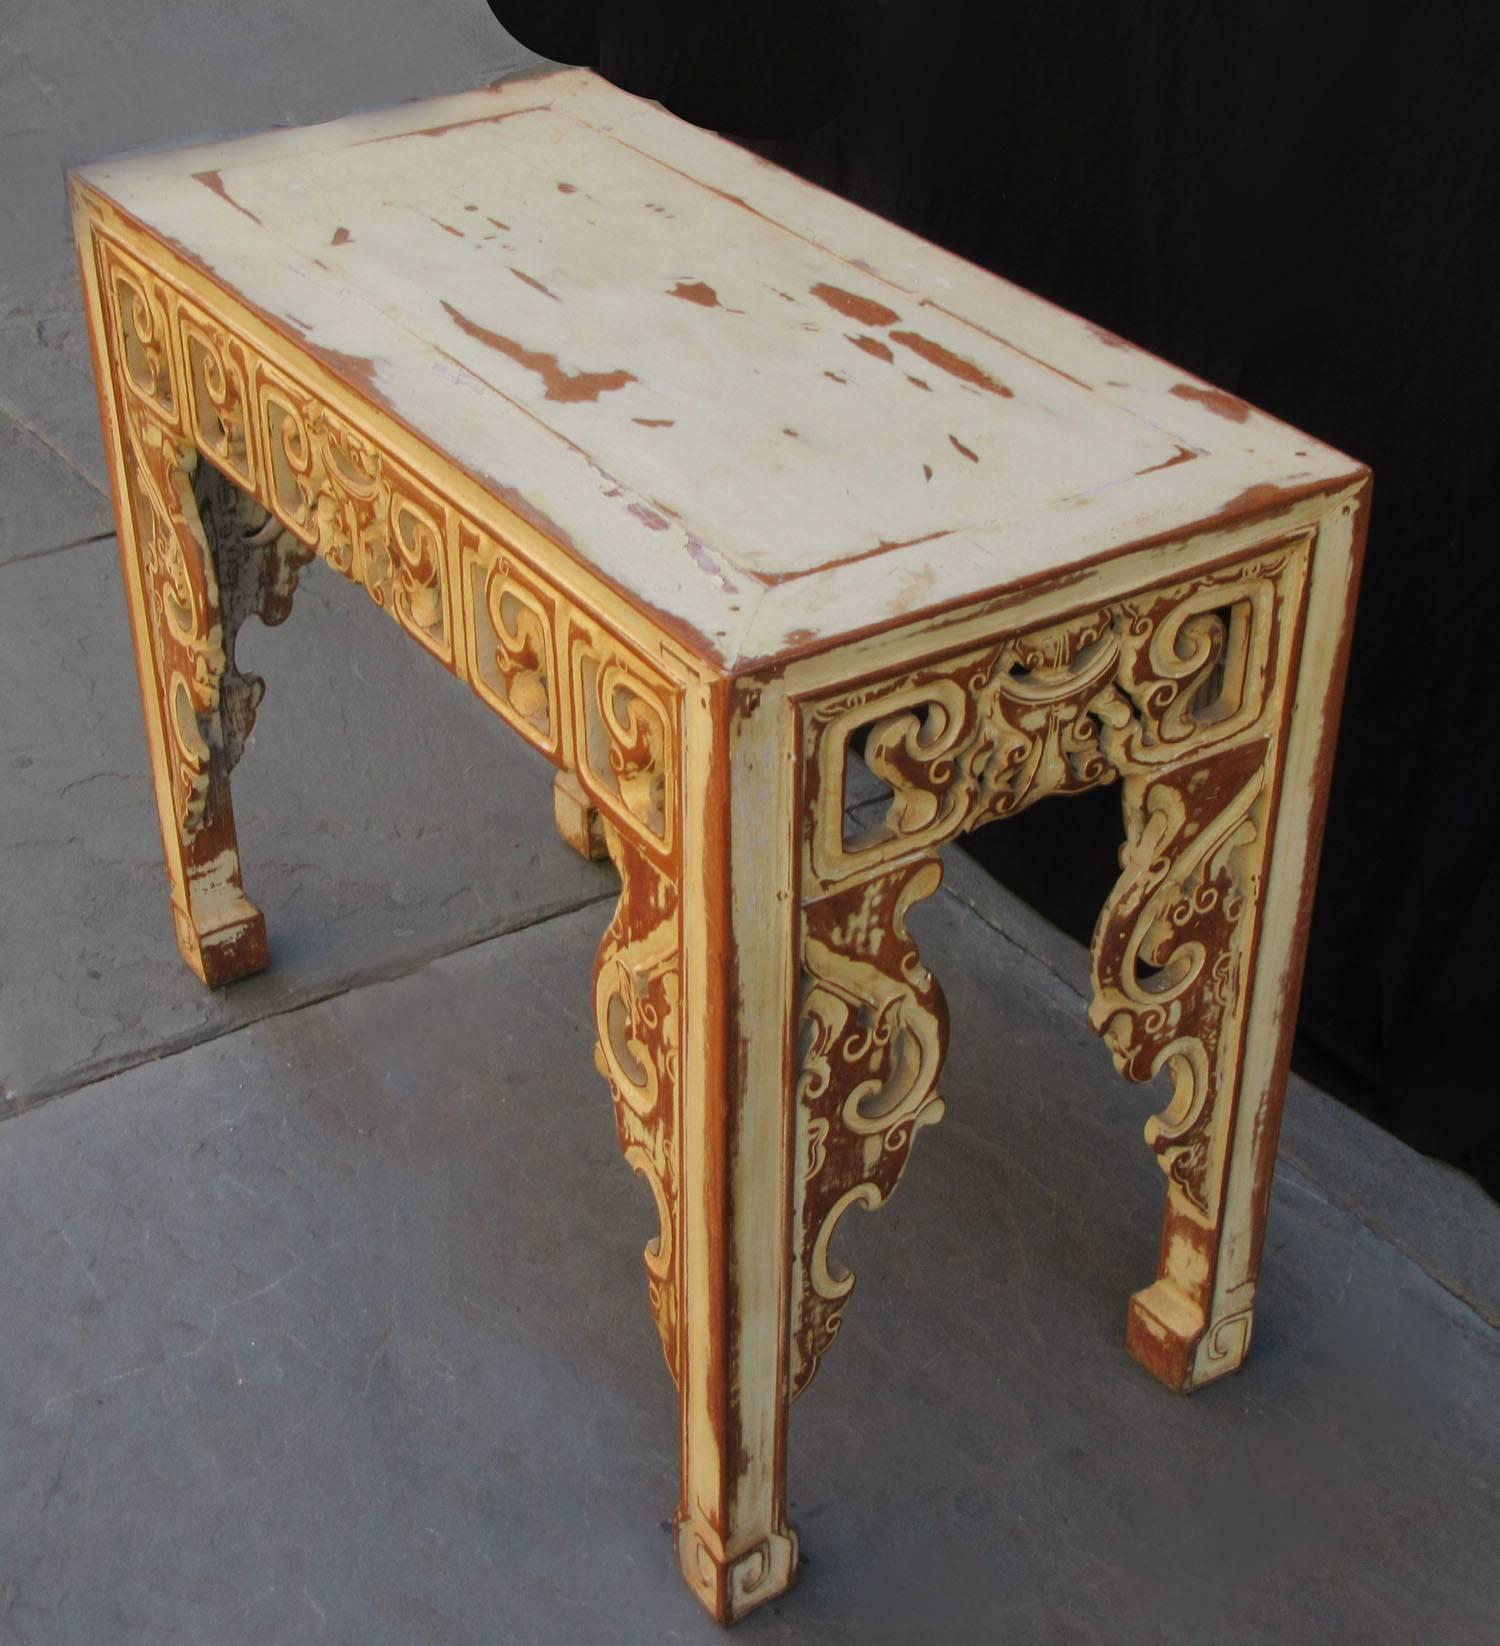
701, 477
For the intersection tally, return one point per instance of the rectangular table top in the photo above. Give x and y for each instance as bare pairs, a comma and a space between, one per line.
763, 414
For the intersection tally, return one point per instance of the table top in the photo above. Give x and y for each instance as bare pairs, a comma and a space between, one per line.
768, 417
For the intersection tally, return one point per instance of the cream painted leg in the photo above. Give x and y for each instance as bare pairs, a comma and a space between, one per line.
734, 1545
1174, 958
199, 556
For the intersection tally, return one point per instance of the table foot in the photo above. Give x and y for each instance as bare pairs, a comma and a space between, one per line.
1166, 1333
729, 1586
237, 948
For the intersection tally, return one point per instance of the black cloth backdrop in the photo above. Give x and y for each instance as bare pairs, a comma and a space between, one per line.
1299, 202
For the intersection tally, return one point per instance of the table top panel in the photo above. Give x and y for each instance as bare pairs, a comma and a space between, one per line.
765, 415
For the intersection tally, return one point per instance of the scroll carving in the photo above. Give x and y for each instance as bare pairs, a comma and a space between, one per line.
1172, 690
288, 476
637, 1010
211, 557
358, 508
1170, 955
139, 306
626, 734
538, 657
257, 564
873, 1028
513, 657
182, 604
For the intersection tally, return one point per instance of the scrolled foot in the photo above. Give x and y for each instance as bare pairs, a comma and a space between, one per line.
1167, 1334
235, 948
729, 1586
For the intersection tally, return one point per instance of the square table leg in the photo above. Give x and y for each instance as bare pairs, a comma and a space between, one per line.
197, 556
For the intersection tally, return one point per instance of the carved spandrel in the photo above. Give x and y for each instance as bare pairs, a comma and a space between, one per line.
637, 1010
258, 563
873, 1032
211, 557
1170, 956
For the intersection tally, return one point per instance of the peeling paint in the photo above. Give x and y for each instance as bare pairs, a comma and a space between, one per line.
959, 446
871, 345
1183, 454
534, 283
956, 365
561, 385
1220, 403
701, 557
854, 307
649, 517
212, 181
696, 291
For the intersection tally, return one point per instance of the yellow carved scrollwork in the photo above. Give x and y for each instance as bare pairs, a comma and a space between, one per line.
637, 1010
182, 603
625, 720
873, 1027
362, 512
513, 656
1170, 689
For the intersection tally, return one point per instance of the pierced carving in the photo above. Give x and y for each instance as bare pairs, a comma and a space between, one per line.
218, 391
1173, 689
1051, 711
513, 657
637, 1010
258, 563
873, 1031
358, 508
626, 732
211, 557
1170, 955
139, 305
534, 654
182, 605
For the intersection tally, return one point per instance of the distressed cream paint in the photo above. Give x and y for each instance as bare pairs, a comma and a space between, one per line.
698, 477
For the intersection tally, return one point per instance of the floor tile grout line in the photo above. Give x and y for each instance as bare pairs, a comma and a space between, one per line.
58, 548
1290, 1157
390, 974
12, 415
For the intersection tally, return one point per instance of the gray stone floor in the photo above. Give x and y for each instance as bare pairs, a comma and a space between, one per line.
322, 1302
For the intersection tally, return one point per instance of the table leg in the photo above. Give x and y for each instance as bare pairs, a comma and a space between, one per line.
198, 557
695, 996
